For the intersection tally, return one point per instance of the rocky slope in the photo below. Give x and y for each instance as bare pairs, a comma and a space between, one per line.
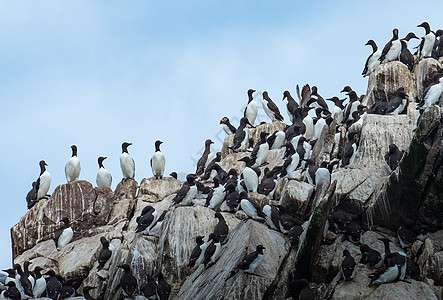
368, 190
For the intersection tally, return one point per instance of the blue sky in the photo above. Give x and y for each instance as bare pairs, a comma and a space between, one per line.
97, 73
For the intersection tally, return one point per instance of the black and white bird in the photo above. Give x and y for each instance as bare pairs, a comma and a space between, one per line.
291, 162
197, 253
398, 102
163, 288
216, 195
406, 56
252, 260
427, 43
232, 195
187, 192
43, 181
72, 167
279, 141
127, 163
158, 222
241, 135
251, 207
370, 256
40, 283
104, 258
22, 282
202, 162
347, 266
349, 150
158, 161
272, 218
221, 230
270, 108
393, 157
66, 234
12, 292
128, 282
394, 258
260, 150
53, 285
431, 95
227, 126
269, 182
249, 175
146, 220
104, 178
392, 49
385, 274
31, 197
406, 236
291, 104
337, 109
212, 252
251, 109
174, 175
373, 60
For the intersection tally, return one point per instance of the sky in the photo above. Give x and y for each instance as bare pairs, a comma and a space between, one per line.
98, 73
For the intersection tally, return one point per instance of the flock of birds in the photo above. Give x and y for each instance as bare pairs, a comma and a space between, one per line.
210, 181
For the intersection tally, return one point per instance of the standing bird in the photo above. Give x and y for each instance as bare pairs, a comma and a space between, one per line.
252, 260
66, 234
127, 163
158, 161
227, 126
241, 135
398, 102
393, 157
22, 281
149, 290
373, 60
291, 104
349, 150
406, 56
53, 286
221, 230
197, 253
251, 109
251, 207
216, 195
431, 95
187, 192
337, 109
370, 256
146, 220
201, 164
31, 197
392, 48
128, 282
427, 42
104, 258
43, 181
271, 108
249, 175
72, 167
347, 266
40, 283
260, 150
104, 178
212, 252
163, 288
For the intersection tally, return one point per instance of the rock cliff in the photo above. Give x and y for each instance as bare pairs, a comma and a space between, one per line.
383, 201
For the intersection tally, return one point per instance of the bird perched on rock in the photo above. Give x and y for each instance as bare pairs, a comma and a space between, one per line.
146, 220
272, 216
127, 163
22, 281
201, 164
250, 175
347, 266
31, 197
291, 104
431, 95
385, 274
251, 207
12, 292
270, 108
394, 258
66, 234
72, 167
427, 43
221, 230
353, 232
227, 126
393, 157
216, 195
187, 192
128, 282
392, 49
406, 236
241, 135
149, 290
163, 288
158, 161
370, 256
104, 258
260, 150
398, 102
252, 260
212, 252
104, 178
406, 56
251, 109
198, 252
43, 181
53, 286
372, 62
40, 283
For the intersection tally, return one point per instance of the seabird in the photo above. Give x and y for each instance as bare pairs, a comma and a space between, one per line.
251, 207
163, 288
347, 266
127, 163
150, 288
22, 281
227, 126
370, 256
378, 108
349, 150
286, 220
294, 234
406, 236
310, 129
385, 274
104, 258
72, 167
270, 108
198, 252
406, 56
268, 183
395, 258
251, 109
306, 293
221, 230
252, 260
292, 161
187, 192
158, 161
201, 164
86, 294
12, 292
338, 108
260, 150
31, 197
157, 224
316, 100
212, 252
392, 49
212, 168
249, 175
373, 60
353, 232
66, 235
241, 135
40, 283
397, 103
232, 196
427, 43
104, 178
215, 196
431, 95
68, 290
393, 157
53, 286
174, 175
272, 216
128, 282
291, 104
311, 169
43, 181
279, 140
146, 220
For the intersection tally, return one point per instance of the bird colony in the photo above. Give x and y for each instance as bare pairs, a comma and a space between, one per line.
239, 226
